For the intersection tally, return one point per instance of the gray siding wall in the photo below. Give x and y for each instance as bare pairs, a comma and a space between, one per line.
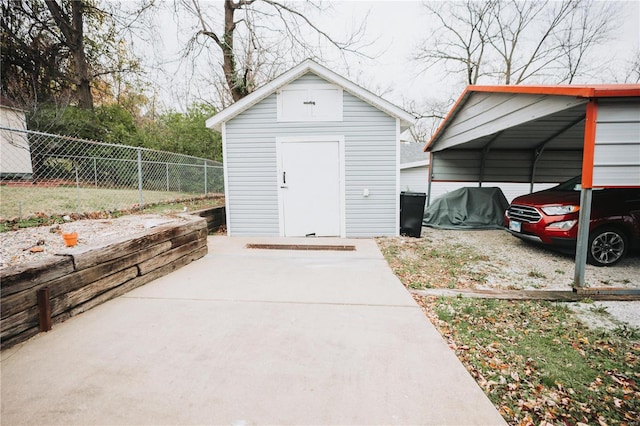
617, 149
370, 162
506, 166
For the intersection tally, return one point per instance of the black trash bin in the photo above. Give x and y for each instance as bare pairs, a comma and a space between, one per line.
411, 213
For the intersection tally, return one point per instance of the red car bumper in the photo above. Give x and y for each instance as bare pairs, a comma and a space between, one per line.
538, 227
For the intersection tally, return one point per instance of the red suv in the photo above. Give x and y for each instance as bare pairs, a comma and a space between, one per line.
551, 217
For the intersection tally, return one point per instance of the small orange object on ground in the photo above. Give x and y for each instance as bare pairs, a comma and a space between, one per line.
70, 239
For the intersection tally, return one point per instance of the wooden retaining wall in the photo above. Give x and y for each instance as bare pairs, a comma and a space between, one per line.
86, 277
215, 217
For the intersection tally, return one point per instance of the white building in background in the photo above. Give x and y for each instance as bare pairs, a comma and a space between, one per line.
15, 155
414, 167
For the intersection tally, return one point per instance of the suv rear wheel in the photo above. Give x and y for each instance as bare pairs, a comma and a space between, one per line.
607, 246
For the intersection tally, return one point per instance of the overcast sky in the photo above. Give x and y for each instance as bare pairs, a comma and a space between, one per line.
404, 27
396, 27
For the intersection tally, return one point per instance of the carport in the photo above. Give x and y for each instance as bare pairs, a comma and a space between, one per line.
542, 134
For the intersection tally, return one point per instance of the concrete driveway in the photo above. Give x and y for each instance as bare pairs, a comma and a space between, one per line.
247, 336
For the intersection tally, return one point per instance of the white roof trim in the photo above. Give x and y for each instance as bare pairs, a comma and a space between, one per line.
215, 122
414, 164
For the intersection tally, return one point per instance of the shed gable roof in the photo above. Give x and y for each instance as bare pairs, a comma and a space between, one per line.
215, 122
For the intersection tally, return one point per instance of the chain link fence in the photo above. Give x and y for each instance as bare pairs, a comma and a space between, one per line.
45, 174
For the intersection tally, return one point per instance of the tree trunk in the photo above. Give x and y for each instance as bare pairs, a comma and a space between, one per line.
72, 28
85, 98
237, 87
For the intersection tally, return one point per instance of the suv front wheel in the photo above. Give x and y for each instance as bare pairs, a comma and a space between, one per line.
607, 246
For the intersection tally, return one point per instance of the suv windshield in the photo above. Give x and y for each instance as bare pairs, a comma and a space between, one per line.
570, 185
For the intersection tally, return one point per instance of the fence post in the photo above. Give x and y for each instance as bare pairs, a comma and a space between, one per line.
95, 172
205, 178
78, 189
140, 177
167, 168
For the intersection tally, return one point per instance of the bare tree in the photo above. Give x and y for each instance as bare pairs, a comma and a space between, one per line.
632, 75
461, 39
428, 115
257, 38
511, 41
514, 21
590, 26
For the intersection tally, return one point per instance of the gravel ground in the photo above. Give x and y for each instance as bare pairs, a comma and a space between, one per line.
16, 246
608, 315
516, 264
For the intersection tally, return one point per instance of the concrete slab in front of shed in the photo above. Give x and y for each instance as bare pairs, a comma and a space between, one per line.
233, 272
249, 337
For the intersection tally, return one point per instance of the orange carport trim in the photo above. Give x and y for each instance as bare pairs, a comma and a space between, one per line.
592, 91
589, 144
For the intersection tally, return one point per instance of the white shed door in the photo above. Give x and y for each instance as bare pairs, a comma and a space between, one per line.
310, 188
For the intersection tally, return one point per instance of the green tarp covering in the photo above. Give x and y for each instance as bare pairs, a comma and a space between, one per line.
467, 208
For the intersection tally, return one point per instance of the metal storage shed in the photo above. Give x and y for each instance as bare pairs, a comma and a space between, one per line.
541, 134
311, 153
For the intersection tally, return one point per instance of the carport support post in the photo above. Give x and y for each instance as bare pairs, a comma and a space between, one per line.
430, 177
583, 237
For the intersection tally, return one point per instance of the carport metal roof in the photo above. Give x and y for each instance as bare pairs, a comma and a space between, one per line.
521, 117
539, 134
496, 122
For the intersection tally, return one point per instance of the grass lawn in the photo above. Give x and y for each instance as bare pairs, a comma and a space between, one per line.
538, 363
535, 360
45, 206
33, 201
